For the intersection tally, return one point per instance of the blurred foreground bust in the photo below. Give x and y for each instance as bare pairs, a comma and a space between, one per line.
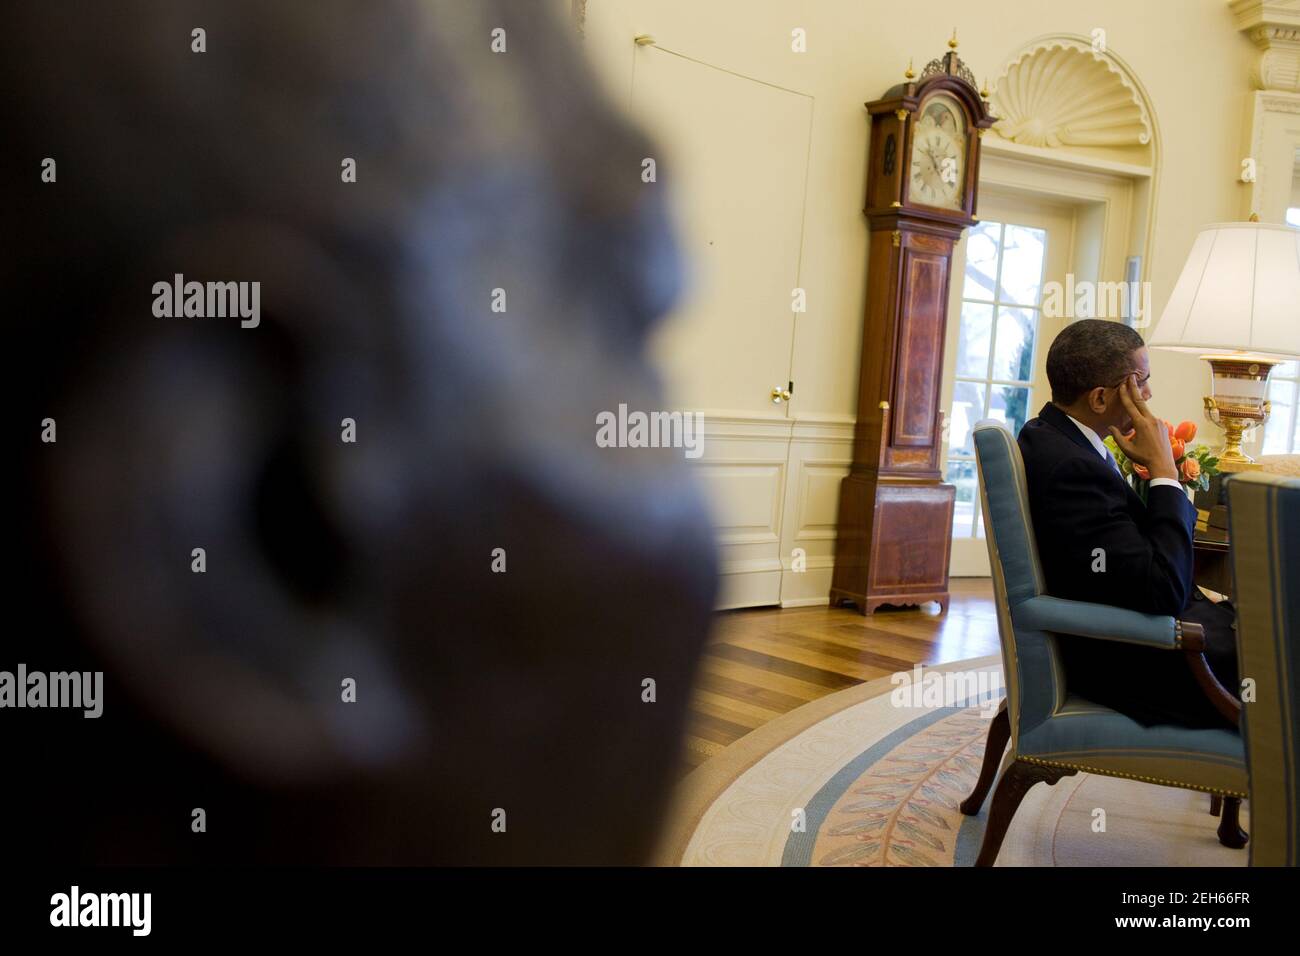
496, 587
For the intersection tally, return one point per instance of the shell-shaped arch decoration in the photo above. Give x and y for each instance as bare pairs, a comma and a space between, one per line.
1060, 92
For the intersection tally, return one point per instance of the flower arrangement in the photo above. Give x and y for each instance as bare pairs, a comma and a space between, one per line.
1195, 463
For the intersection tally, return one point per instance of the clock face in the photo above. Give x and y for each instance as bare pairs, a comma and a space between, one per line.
938, 173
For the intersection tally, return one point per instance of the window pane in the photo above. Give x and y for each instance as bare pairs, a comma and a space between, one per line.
1014, 358
981, 261
1276, 440
1009, 404
962, 474
973, 339
1286, 370
1023, 249
967, 409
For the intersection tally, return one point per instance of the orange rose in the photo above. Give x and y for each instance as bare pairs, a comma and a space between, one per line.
1141, 472
1191, 469
1186, 431
1178, 446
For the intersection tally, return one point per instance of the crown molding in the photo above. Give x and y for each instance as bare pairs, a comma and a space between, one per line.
1254, 13
1274, 27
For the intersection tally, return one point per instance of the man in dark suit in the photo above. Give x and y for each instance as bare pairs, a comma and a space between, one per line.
1098, 542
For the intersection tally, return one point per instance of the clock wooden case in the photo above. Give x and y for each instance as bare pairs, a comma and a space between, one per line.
895, 514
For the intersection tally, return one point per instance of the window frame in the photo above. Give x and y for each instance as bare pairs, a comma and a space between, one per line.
988, 382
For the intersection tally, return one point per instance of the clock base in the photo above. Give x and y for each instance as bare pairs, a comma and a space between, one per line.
867, 606
894, 547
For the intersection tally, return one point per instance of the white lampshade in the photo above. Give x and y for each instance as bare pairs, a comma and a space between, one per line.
1239, 292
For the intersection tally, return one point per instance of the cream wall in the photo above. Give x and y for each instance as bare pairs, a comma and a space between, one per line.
1188, 54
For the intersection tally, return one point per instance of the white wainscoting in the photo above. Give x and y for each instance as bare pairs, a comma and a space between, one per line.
773, 484
821, 451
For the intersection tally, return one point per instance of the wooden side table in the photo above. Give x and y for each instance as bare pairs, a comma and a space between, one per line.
1212, 566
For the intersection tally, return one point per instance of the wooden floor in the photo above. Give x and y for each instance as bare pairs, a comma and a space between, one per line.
763, 662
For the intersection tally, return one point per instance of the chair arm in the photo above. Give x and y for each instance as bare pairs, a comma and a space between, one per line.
1101, 621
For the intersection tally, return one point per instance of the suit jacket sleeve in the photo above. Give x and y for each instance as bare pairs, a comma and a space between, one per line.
1148, 564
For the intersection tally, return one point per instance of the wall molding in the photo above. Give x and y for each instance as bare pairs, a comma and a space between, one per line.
774, 482
1274, 27
1065, 159
1273, 139
1130, 150
1059, 92
766, 532
824, 530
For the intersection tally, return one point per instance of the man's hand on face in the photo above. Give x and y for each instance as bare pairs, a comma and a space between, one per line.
1149, 444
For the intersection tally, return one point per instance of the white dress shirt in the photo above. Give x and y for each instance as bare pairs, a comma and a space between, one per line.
1096, 443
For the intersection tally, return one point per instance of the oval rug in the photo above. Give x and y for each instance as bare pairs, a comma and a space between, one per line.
863, 777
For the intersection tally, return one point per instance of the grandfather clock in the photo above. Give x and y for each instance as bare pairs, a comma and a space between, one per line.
895, 517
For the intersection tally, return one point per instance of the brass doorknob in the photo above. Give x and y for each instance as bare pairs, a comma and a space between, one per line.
780, 395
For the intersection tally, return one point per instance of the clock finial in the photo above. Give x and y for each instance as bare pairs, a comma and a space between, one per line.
984, 91
909, 73
952, 44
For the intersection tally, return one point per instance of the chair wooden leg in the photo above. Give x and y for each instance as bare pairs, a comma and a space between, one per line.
1230, 832
999, 734
1013, 786
1216, 804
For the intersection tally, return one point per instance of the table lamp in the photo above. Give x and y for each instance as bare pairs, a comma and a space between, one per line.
1237, 303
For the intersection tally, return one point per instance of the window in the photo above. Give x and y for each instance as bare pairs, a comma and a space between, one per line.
1293, 216
1000, 313
1282, 430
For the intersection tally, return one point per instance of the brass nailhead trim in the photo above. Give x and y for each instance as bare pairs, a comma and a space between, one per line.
1132, 776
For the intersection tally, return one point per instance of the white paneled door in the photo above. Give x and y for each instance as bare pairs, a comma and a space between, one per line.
734, 160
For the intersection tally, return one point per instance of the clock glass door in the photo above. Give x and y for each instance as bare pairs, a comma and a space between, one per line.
995, 355
938, 170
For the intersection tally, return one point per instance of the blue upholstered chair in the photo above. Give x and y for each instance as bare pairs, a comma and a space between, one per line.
1052, 732
1264, 518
